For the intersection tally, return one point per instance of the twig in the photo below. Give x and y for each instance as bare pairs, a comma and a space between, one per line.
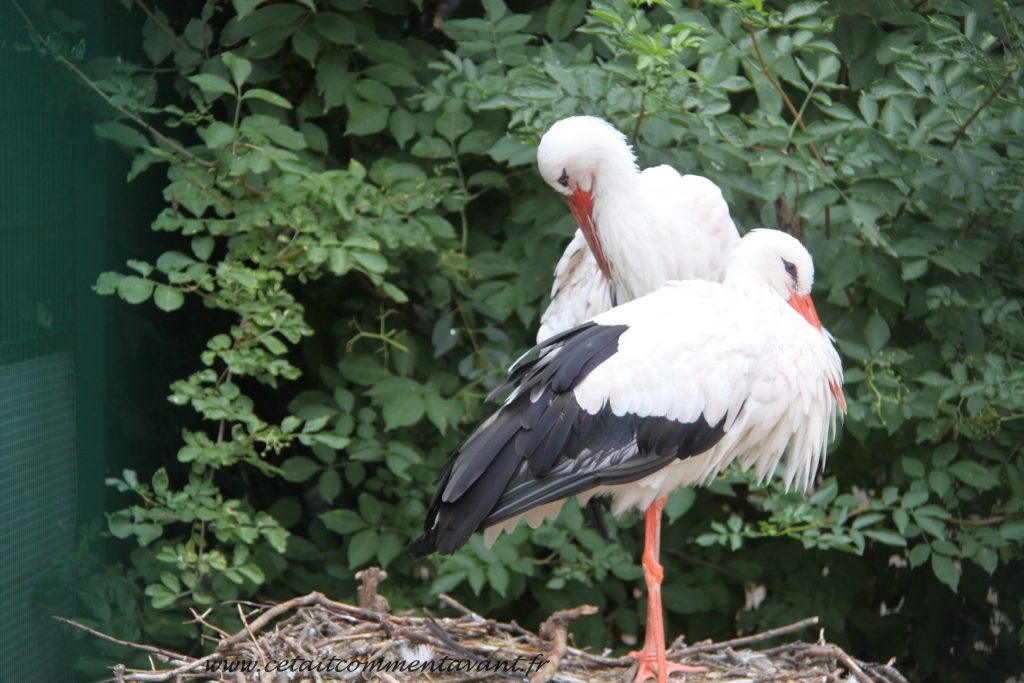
73, 68
746, 640
287, 255
785, 98
987, 521
555, 630
977, 110
639, 119
161, 25
201, 619
469, 328
245, 625
167, 654
455, 604
833, 651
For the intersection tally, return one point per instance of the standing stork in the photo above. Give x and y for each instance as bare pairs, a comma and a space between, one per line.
637, 230
661, 392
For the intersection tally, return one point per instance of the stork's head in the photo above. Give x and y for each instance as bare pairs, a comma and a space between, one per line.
575, 150
573, 156
779, 260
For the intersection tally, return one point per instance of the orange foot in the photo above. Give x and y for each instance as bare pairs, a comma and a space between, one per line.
647, 667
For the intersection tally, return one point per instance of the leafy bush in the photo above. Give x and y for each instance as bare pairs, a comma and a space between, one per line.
365, 241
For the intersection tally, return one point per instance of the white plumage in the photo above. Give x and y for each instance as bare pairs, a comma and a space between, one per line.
734, 351
748, 354
661, 392
638, 230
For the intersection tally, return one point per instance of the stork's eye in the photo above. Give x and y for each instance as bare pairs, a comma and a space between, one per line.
563, 179
790, 269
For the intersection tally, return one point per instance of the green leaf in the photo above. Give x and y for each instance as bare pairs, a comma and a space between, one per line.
299, 468
799, 10
391, 74
217, 135
563, 16
134, 290
362, 547
974, 474
371, 262
124, 135
267, 96
202, 246
342, 522
946, 571
403, 410
919, 554
389, 547
876, 333
212, 83
1012, 531
366, 118
498, 577
375, 91
335, 28
868, 108
160, 596
240, 67
370, 508
679, 502
885, 536
168, 298
912, 466
244, 7
120, 524
330, 484
402, 126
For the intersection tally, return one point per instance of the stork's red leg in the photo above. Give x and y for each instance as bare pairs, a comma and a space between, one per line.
651, 660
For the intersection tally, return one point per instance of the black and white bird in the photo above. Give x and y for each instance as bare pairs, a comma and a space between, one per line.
661, 392
637, 230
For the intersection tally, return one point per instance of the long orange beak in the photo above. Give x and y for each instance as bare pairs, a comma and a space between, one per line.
805, 307
582, 205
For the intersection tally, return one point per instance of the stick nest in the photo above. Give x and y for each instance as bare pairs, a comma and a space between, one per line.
312, 639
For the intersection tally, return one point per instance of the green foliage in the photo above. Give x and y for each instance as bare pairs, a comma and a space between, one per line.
363, 237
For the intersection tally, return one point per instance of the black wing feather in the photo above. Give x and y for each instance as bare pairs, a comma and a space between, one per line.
540, 446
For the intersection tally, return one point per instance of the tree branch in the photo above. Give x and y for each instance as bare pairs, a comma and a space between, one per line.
73, 68
977, 110
785, 98
161, 25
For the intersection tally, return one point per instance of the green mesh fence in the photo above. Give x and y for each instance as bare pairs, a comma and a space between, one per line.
44, 351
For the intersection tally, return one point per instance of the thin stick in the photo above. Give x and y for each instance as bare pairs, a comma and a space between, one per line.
746, 640
977, 110
171, 656
785, 98
245, 624
455, 604
833, 651
161, 25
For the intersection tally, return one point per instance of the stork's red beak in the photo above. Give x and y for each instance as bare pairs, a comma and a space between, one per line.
803, 305
581, 203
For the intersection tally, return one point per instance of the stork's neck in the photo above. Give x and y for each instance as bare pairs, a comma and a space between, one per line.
619, 203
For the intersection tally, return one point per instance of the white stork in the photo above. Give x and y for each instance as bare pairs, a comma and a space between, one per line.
637, 230
661, 392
